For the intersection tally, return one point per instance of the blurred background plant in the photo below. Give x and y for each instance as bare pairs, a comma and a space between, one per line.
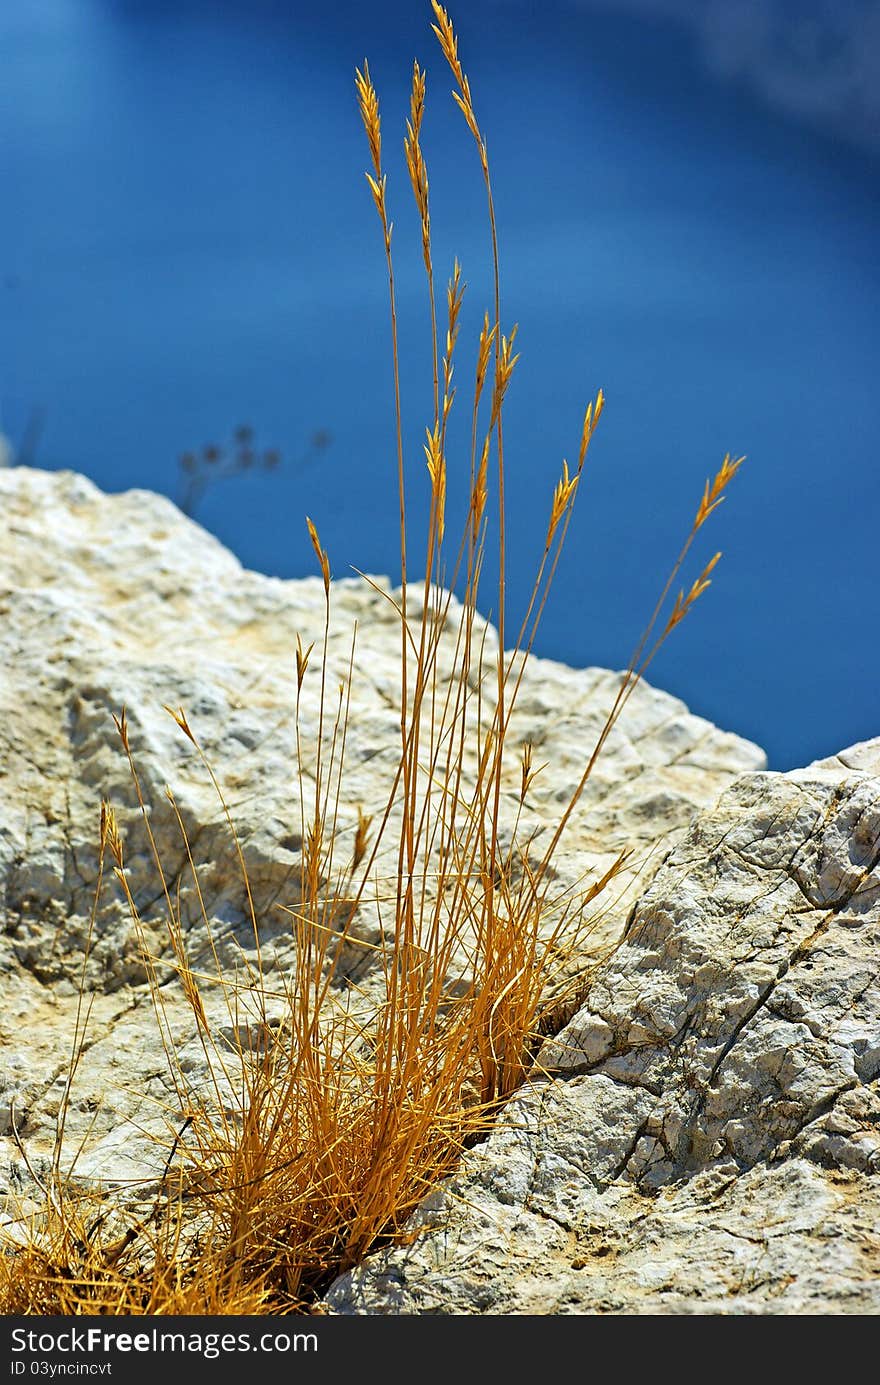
213, 463
24, 452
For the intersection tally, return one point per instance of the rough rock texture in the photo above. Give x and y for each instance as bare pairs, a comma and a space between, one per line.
118, 600
705, 1132
706, 1135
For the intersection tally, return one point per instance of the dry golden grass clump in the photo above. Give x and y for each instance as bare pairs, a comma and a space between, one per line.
316, 1143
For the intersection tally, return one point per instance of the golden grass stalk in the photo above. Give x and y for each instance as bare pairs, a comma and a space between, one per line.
308, 1141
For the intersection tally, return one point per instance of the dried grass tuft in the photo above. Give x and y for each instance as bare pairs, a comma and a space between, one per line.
316, 1137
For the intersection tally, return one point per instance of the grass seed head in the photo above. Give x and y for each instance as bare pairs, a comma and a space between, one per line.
683, 603
563, 496
415, 161
437, 470
369, 108
321, 555
714, 494
361, 837
302, 661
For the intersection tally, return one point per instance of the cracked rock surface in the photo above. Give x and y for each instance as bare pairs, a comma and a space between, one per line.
702, 1136
119, 600
705, 1134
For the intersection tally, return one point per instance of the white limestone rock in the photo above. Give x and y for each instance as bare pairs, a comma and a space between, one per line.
112, 601
705, 1132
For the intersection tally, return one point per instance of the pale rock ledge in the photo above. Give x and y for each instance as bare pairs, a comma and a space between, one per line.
705, 1135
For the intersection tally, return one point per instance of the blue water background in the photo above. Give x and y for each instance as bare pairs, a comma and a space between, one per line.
188, 243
